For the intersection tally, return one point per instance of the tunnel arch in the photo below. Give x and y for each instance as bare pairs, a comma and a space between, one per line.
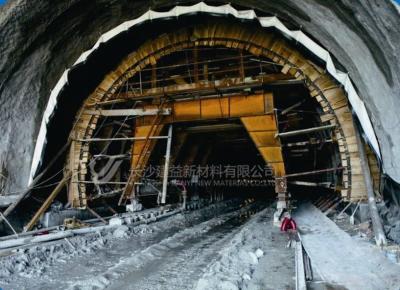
326, 90
298, 36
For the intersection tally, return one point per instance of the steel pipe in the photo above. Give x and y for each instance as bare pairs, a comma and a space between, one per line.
304, 131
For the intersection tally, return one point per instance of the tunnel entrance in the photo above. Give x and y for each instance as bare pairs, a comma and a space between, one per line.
260, 98
183, 124
229, 107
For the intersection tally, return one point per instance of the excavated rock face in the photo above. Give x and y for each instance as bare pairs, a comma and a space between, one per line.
40, 39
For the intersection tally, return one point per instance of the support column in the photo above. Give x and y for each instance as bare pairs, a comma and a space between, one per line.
141, 150
281, 190
380, 237
263, 130
166, 166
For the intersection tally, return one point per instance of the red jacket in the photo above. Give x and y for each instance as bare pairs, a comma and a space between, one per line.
288, 224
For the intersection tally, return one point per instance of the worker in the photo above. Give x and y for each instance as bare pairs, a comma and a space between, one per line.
288, 223
289, 226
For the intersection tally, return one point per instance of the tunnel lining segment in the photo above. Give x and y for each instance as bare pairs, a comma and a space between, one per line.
321, 86
298, 36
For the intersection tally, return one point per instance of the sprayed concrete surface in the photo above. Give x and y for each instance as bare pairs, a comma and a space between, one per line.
341, 259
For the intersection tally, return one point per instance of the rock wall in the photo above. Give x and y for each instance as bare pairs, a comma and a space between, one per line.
41, 38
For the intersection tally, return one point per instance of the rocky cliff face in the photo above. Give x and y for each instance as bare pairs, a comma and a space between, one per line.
40, 39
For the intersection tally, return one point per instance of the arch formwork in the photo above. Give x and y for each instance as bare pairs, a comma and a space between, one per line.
293, 64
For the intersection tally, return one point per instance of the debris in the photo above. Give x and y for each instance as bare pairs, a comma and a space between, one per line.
74, 223
143, 251
253, 258
134, 206
394, 232
69, 243
116, 221
129, 220
259, 253
121, 232
365, 226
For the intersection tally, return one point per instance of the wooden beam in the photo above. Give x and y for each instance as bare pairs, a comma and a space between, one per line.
377, 226
96, 215
47, 202
141, 153
109, 207
26, 193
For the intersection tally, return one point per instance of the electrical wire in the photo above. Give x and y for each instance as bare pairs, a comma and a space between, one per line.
43, 185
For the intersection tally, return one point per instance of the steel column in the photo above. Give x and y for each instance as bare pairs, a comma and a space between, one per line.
166, 167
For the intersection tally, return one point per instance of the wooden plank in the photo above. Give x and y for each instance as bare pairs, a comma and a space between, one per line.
326, 117
74, 166
348, 129
311, 72
47, 202
325, 82
357, 177
96, 215
358, 184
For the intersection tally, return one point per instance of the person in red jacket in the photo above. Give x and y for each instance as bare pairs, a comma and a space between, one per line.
289, 226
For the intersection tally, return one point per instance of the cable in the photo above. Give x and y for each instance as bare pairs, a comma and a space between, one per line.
42, 183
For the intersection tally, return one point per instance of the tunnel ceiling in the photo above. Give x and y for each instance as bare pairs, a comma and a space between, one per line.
43, 38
